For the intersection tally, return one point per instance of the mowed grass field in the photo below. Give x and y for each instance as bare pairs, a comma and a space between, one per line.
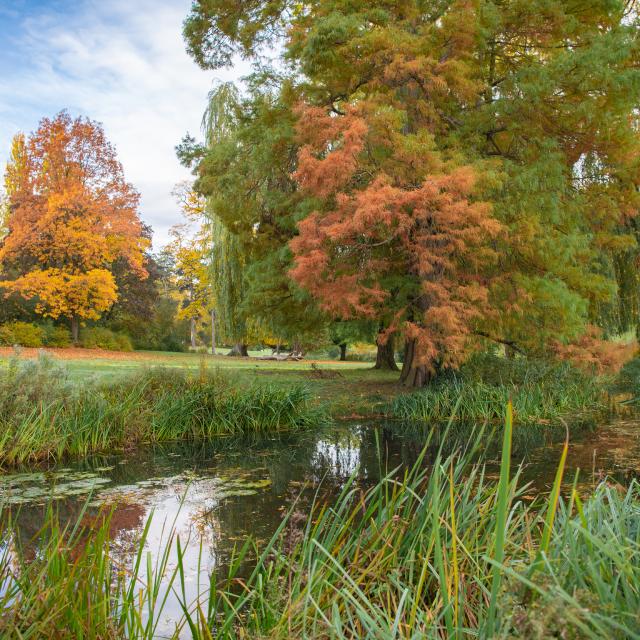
349, 389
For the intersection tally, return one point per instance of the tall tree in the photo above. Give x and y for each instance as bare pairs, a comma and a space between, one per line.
244, 169
192, 279
190, 249
227, 256
71, 216
536, 100
416, 245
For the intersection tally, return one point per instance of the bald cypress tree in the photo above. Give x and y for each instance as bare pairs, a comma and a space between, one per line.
536, 100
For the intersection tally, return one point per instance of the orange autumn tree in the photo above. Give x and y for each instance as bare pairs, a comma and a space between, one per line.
395, 233
70, 215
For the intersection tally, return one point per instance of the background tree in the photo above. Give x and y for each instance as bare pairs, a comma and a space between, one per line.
191, 277
190, 249
71, 216
227, 261
245, 171
345, 333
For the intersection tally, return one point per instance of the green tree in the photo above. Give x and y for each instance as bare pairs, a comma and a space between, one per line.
537, 99
244, 170
344, 333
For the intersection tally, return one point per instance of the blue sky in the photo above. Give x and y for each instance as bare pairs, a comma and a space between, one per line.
121, 62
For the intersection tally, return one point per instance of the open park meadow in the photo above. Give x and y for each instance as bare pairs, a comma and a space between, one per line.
320, 319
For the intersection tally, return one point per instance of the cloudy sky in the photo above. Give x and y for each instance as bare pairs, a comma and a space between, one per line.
121, 62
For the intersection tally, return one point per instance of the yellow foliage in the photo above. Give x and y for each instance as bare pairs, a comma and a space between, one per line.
70, 215
59, 294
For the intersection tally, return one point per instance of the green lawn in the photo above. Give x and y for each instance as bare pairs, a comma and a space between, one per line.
105, 369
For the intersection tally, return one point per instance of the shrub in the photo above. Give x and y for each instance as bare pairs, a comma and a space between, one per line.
24, 334
28, 384
101, 338
168, 343
56, 336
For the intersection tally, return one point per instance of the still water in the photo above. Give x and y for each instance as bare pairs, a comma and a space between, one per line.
220, 493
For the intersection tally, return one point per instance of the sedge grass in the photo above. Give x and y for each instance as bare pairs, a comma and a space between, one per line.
43, 417
445, 553
555, 396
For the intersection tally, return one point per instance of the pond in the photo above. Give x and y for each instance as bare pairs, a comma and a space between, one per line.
221, 492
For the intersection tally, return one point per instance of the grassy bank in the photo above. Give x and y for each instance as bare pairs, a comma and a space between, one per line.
44, 415
344, 388
49, 410
542, 394
438, 552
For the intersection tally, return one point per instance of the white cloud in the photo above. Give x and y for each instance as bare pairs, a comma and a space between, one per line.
122, 63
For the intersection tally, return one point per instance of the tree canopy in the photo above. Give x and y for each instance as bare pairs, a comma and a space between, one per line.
463, 171
71, 216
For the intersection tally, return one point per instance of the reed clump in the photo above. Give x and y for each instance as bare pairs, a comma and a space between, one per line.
444, 552
542, 393
45, 416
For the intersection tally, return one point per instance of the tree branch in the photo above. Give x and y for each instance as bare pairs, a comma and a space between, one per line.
508, 343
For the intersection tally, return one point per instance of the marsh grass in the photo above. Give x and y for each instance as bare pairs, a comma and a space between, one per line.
43, 416
542, 394
443, 552
437, 551
69, 582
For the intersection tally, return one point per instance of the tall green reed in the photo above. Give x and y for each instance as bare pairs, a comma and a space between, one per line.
543, 395
441, 551
43, 416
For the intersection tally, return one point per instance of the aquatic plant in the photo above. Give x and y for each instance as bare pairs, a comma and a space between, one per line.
541, 394
42, 416
445, 552
439, 551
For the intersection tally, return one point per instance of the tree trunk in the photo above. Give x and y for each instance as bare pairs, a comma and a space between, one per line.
343, 351
213, 332
239, 349
414, 374
193, 333
385, 356
75, 330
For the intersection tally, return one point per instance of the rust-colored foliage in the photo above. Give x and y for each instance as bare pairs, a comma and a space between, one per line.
594, 354
71, 215
371, 231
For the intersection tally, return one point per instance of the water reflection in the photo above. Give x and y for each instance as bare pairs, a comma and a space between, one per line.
211, 495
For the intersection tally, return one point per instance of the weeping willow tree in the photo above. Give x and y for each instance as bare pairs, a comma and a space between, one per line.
227, 258
227, 264
245, 171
